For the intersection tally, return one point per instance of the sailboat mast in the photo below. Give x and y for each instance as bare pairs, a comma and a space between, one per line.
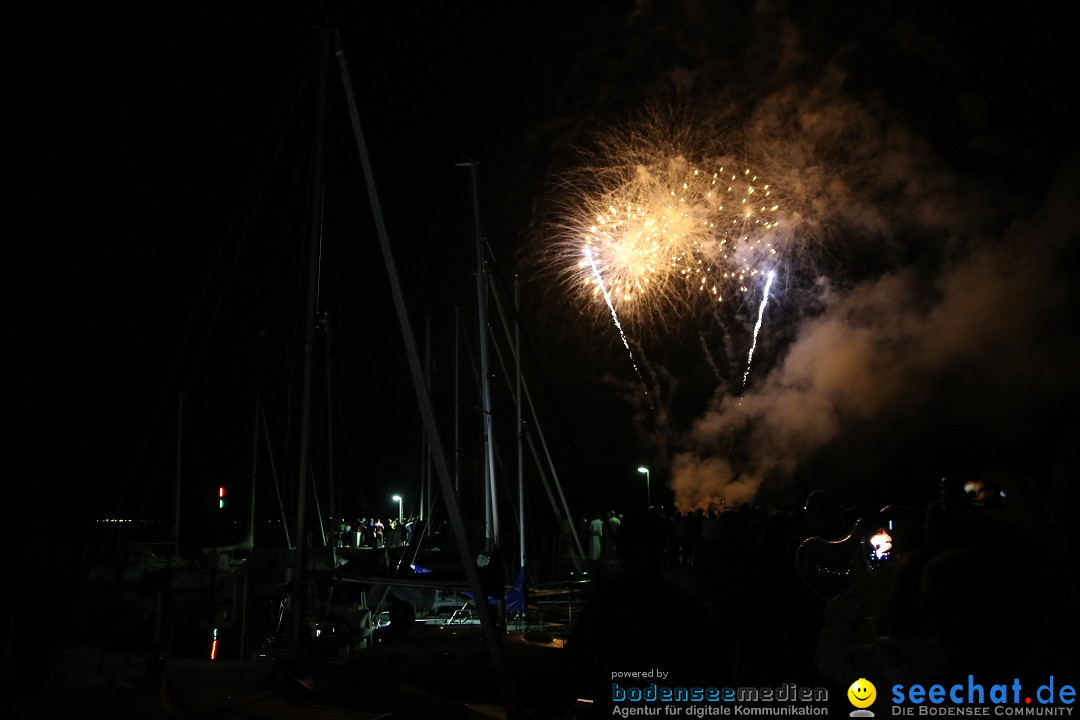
423, 479
255, 442
251, 515
520, 426
429, 487
179, 456
491, 502
314, 240
335, 527
457, 400
273, 474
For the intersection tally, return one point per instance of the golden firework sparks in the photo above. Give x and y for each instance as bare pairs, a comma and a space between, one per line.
664, 236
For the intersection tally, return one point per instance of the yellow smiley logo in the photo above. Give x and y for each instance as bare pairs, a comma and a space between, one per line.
862, 693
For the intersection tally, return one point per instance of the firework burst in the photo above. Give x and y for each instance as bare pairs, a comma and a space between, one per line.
664, 235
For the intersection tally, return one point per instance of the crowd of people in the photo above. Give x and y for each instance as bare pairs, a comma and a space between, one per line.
981, 581
376, 532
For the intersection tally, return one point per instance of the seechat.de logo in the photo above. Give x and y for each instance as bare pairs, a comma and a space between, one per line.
862, 694
973, 698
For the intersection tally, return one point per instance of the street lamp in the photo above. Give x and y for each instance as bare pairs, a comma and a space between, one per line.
400, 516
648, 492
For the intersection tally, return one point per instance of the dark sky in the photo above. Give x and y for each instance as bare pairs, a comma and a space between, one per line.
159, 161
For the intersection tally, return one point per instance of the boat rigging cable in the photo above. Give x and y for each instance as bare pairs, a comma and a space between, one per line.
288, 109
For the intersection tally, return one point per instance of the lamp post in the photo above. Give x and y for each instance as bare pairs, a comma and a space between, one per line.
648, 491
400, 516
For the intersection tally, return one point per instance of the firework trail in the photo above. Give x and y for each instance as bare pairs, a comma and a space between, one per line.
615, 316
709, 359
757, 326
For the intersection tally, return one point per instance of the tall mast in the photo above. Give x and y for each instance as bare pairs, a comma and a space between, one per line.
273, 474
520, 427
255, 442
457, 399
423, 480
250, 542
428, 486
314, 240
335, 527
491, 502
179, 455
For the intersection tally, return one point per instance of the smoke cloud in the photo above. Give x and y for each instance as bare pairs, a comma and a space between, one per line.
933, 312
992, 318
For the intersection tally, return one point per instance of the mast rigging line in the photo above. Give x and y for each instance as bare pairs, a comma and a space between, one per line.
388, 347
543, 440
499, 290
273, 473
571, 525
294, 93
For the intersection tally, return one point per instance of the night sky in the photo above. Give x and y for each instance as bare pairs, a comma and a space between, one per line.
159, 160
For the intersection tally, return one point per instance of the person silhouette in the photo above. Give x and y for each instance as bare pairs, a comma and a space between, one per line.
638, 621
